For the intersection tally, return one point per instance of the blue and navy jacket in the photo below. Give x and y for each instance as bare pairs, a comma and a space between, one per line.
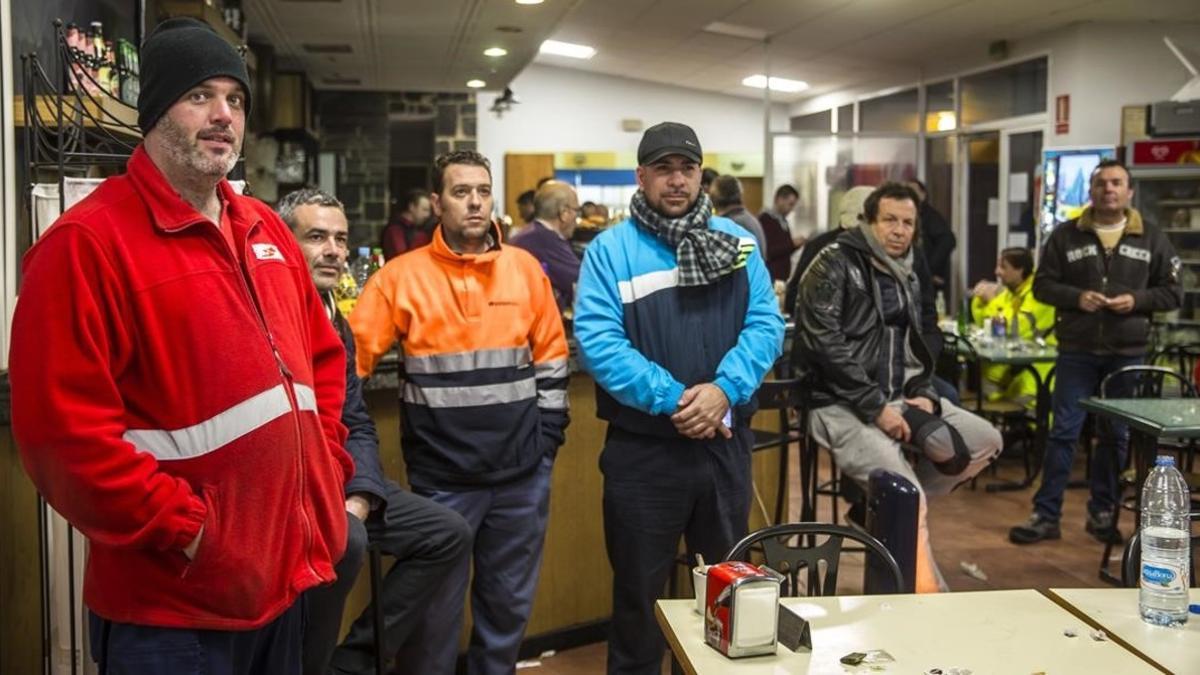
645, 339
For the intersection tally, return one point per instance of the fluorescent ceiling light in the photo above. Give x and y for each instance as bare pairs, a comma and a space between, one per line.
567, 49
495, 51
529, 2
734, 30
476, 84
777, 83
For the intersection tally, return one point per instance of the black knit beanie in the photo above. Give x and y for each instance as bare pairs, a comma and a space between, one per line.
179, 54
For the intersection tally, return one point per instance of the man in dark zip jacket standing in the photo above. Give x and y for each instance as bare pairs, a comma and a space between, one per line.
1106, 273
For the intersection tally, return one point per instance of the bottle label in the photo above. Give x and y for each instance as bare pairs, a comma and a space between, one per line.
1160, 576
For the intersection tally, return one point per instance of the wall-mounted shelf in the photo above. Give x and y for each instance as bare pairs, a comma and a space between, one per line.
101, 111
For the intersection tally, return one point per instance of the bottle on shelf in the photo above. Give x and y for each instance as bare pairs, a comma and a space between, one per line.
376, 259
360, 269
1165, 546
940, 305
345, 294
76, 39
111, 84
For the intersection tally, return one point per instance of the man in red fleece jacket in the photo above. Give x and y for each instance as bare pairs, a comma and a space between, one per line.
177, 389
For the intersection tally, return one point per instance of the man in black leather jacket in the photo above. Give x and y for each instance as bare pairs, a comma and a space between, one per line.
869, 372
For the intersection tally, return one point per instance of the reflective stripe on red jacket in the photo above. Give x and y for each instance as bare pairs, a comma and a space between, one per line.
159, 385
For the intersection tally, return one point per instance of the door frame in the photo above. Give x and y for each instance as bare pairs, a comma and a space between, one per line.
962, 175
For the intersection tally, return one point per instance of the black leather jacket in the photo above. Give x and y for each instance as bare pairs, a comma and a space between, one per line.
840, 333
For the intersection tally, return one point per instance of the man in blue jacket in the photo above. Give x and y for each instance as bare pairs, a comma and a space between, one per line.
428, 540
677, 322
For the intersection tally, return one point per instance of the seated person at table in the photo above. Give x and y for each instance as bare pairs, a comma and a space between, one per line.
1013, 296
858, 344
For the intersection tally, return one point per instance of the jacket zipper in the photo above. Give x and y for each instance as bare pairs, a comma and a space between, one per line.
243, 274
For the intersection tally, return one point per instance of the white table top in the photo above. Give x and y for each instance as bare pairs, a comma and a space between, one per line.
987, 632
1115, 610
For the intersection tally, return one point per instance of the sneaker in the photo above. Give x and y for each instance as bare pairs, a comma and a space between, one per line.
1100, 526
1037, 528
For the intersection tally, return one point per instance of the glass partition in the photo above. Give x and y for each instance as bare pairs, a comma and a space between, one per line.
1011, 91
894, 112
821, 168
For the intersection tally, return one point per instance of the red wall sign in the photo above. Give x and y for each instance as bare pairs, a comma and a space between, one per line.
1164, 151
1062, 114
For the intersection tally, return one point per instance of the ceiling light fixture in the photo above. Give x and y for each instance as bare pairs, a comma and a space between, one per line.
476, 84
777, 83
495, 52
568, 49
734, 30
530, 2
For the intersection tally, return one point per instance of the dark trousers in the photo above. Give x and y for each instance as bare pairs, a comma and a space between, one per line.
1077, 376
323, 604
946, 390
128, 649
655, 491
428, 541
508, 527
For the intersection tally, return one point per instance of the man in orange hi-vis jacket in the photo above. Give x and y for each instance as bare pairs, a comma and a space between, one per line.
484, 403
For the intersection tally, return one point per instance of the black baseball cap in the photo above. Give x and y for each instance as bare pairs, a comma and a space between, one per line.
669, 138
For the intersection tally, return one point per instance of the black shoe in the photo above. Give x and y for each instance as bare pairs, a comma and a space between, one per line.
1037, 528
1100, 525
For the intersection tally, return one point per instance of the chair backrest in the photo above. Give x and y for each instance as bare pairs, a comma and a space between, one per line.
1179, 357
951, 360
792, 548
1148, 382
778, 394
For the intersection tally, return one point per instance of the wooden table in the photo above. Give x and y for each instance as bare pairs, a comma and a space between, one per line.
1115, 611
985, 632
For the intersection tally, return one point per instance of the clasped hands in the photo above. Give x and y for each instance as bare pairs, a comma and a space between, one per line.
701, 412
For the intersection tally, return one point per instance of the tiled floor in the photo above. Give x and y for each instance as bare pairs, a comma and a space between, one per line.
967, 526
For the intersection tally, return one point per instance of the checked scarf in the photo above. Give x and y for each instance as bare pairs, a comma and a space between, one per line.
703, 255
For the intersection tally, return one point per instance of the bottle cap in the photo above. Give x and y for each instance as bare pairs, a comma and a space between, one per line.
1164, 460
364, 250
1194, 608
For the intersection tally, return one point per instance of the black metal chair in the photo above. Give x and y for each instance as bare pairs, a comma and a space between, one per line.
782, 396
1148, 382
1131, 559
374, 564
792, 548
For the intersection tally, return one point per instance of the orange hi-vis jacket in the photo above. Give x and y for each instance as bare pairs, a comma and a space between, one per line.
484, 392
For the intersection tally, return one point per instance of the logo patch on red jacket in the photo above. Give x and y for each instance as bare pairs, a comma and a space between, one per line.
267, 252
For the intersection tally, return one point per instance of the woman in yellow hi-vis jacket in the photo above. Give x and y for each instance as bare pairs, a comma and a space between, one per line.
1013, 296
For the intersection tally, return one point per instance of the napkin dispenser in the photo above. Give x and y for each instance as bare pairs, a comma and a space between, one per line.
741, 609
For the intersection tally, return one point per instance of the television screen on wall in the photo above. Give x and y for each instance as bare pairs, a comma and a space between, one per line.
1064, 189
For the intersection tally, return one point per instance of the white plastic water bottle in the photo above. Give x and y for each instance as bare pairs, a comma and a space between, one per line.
1166, 546
360, 269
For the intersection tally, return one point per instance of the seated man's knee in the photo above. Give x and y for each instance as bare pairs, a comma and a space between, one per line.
452, 538
939, 442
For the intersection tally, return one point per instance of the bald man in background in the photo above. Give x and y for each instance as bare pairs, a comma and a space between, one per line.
548, 238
